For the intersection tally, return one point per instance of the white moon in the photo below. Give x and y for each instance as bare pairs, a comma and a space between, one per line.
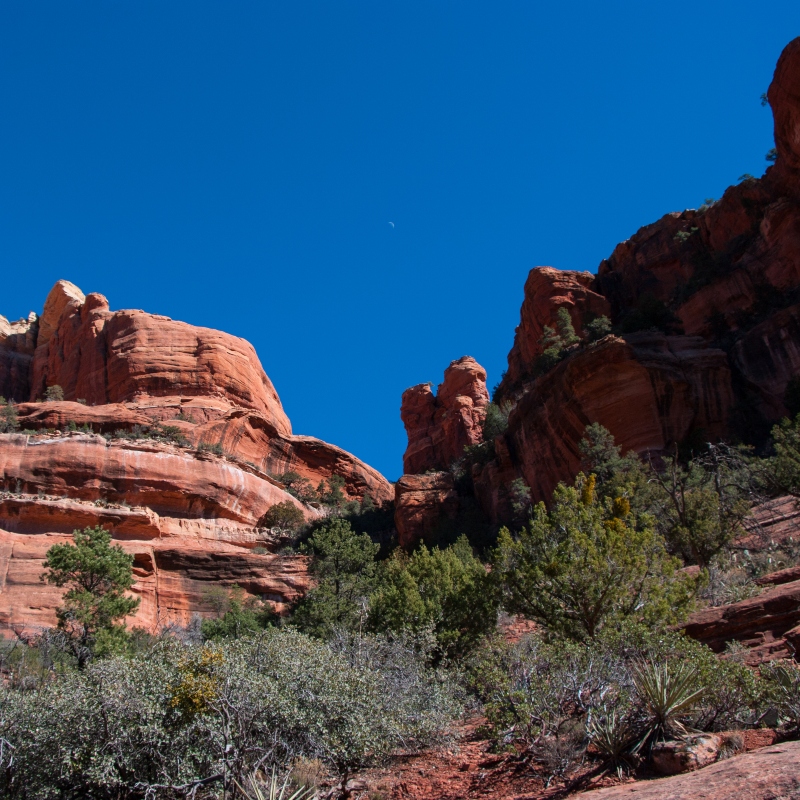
392, 224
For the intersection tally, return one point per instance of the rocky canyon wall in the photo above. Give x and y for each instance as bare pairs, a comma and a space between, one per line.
189, 511
705, 308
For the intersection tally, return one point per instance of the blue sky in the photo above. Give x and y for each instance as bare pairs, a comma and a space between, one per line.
236, 165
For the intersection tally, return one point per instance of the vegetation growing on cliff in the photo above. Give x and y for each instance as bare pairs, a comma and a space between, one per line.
589, 562
97, 576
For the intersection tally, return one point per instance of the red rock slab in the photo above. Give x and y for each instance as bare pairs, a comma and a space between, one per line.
769, 773
761, 623
101, 419
36, 515
787, 575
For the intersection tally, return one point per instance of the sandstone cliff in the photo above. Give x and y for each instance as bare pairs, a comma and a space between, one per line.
705, 308
189, 510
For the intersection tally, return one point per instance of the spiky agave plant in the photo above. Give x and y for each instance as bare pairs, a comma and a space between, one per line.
667, 690
274, 790
783, 678
613, 736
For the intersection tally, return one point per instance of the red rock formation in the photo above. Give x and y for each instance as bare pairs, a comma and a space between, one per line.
17, 343
546, 291
190, 517
440, 427
648, 389
729, 276
421, 503
764, 774
116, 357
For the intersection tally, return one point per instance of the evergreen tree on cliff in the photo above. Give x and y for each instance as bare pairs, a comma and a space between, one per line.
97, 574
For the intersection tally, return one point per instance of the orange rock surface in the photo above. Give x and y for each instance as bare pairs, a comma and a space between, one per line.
546, 291
421, 501
191, 517
765, 774
440, 426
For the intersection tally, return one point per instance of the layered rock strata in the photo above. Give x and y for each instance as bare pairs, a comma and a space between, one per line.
705, 306
190, 511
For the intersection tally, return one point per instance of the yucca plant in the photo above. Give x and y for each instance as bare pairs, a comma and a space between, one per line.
613, 736
667, 691
274, 790
784, 683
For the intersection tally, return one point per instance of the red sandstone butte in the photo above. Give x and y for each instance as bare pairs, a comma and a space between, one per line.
726, 277
440, 426
190, 517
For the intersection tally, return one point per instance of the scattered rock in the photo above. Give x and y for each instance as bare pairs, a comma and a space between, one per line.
686, 755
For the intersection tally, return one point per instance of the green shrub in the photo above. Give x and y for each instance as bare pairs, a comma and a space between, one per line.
781, 472
701, 507
172, 433
9, 422
236, 615
181, 716
667, 691
286, 516
207, 447
343, 569
448, 591
598, 328
54, 393
615, 690
587, 563
496, 422
297, 486
783, 689
555, 341
97, 575
332, 494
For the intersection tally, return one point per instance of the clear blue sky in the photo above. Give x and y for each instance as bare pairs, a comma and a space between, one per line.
236, 165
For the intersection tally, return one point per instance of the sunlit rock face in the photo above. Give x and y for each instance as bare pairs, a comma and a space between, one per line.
705, 306
190, 516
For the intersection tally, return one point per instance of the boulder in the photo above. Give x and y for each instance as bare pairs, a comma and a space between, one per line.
765, 624
686, 754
